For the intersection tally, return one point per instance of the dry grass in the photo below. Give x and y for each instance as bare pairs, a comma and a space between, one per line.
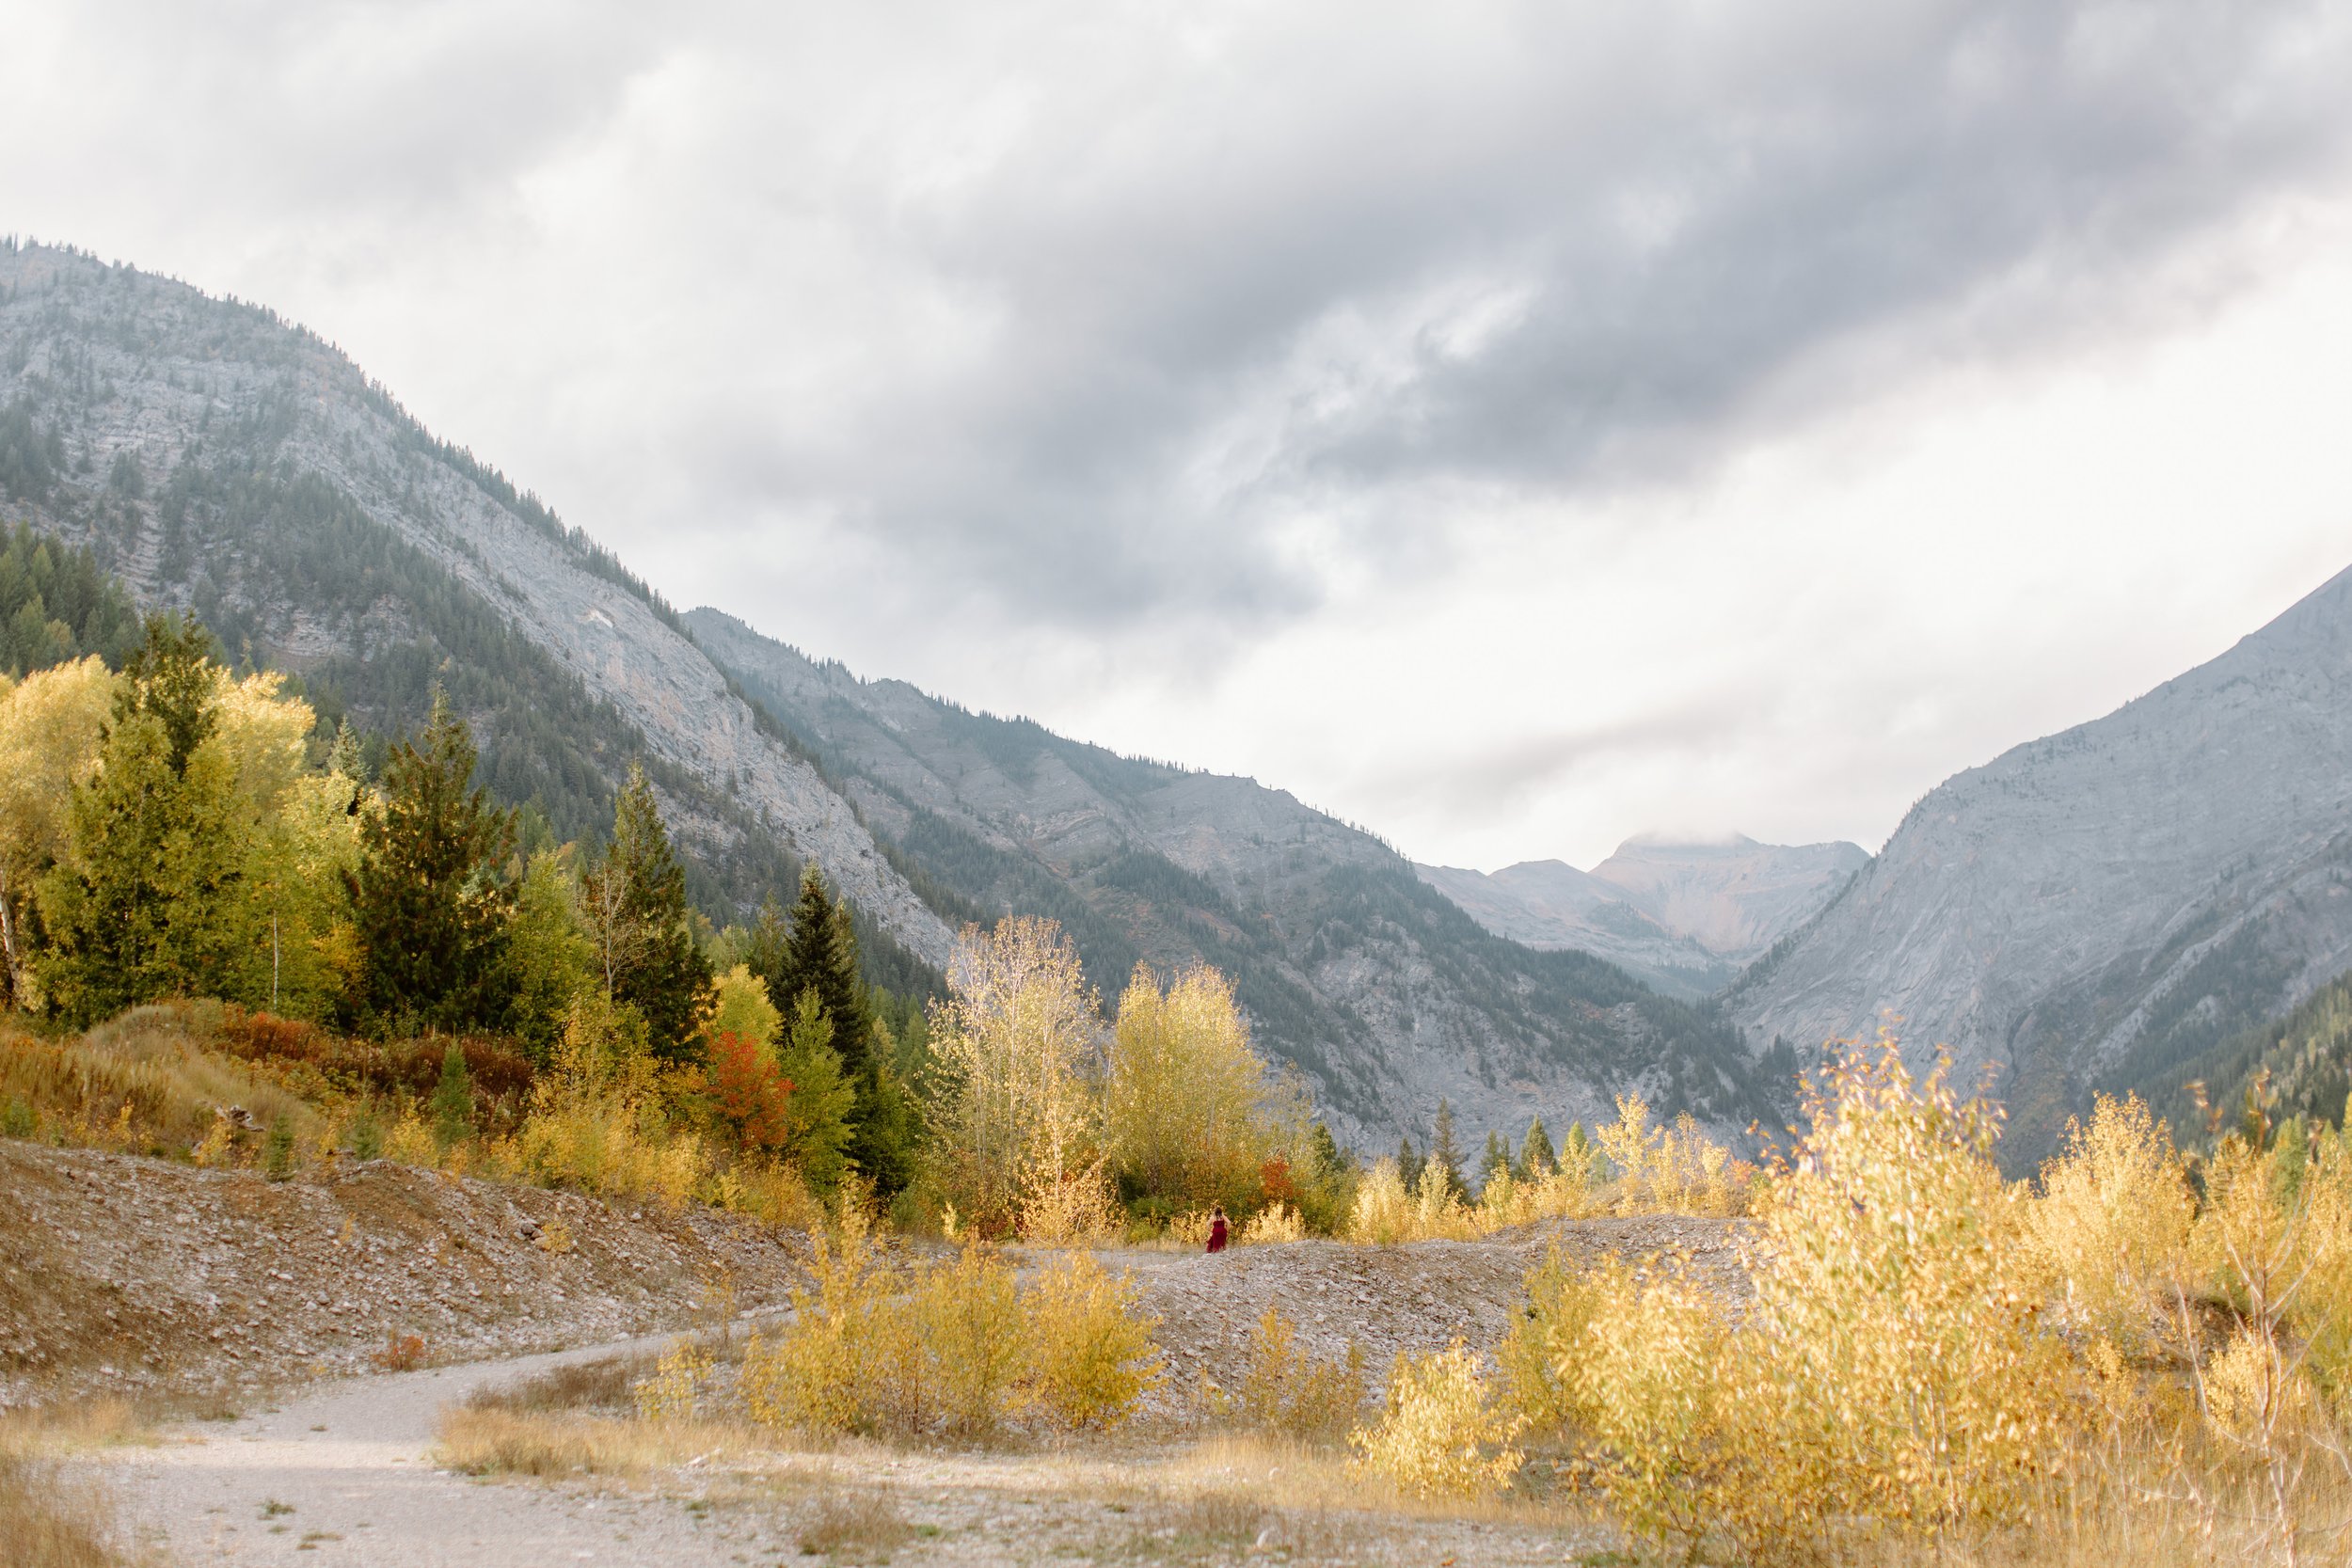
77, 1428
491, 1442
48, 1520
605, 1383
851, 1523
1301, 1479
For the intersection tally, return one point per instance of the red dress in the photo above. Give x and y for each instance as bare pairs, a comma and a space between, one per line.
1216, 1235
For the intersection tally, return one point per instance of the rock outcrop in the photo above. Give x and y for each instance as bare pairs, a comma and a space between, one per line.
2101, 907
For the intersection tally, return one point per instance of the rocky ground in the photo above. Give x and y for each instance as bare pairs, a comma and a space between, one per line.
131, 1276
135, 1276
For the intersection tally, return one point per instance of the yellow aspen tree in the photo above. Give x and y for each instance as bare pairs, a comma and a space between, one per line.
1017, 1040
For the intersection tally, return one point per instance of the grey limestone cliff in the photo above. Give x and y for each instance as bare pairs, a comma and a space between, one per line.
2101, 907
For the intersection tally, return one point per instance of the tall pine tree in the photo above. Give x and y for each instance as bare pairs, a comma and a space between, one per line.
642, 929
429, 899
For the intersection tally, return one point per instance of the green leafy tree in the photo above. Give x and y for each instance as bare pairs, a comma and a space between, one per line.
147, 901
550, 957
429, 903
640, 927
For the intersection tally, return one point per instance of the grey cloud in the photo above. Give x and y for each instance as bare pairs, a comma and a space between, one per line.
1135, 293
1687, 201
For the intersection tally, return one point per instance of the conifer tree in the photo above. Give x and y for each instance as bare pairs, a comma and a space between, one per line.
817, 1112
643, 931
147, 904
1496, 1159
1408, 1163
1537, 1159
1444, 1155
818, 953
428, 899
171, 677
452, 1099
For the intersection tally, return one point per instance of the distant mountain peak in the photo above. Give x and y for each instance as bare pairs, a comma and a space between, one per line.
1685, 915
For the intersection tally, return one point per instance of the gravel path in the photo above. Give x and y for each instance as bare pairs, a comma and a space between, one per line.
343, 1473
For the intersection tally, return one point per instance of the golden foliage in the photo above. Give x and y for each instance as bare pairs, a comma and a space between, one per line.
673, 1392
1191, 1112
1287, 1393
2112, 1224
1015, 1042
1894, 1369
1441, 1435
1093, 1353
960, 1344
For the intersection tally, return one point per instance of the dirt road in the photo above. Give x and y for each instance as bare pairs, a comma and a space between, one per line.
343, 1473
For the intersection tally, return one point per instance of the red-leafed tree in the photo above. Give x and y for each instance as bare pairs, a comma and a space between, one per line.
748, 1092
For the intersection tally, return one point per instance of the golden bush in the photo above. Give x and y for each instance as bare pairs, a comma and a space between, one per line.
1274, 1224
976, 1335
1287, 1393
2112, 1223
1441, 1434
673, 1392
1893, 1370
1383, 1213
1093, 1355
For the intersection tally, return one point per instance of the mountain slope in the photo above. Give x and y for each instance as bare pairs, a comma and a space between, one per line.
2102, 907
223, 462
1384, 992
1684, 917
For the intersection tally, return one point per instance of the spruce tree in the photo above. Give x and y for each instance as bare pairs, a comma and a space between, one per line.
643, 930
429, 901
1408, 1163
172, 678
1444, 1155
819, 953
1495, 1160
1537, 1159
452, 1099
148, 904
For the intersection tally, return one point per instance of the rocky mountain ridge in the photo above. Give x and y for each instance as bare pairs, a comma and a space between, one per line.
2102, 908
225, 463
1686, 917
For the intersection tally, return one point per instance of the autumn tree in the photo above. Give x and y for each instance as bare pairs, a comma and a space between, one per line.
1191, 1112
1015, 1042
50, 727
430, 903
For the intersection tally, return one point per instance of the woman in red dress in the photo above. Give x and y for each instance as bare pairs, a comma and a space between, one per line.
1217, 1229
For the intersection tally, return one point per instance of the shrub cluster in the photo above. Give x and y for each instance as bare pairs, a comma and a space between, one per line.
955, 1347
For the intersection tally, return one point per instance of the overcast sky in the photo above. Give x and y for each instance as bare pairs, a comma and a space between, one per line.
1513, 427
